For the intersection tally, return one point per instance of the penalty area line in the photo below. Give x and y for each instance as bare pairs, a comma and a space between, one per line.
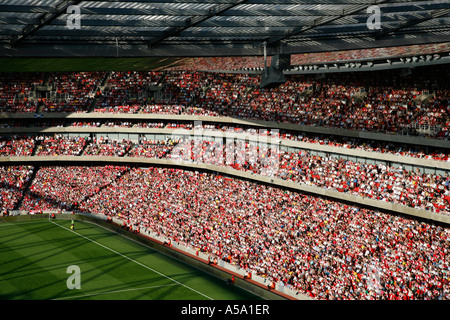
137, 262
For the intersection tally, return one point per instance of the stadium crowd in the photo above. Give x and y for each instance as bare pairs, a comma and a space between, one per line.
332, 102
104, 146
59, 145
316, 246
402, 149
319, 247
412, 188
16, 89
239, 63
74, 91
65, 188
382, 102
159, 149
379, 181
123, 91
13, 182
16, 146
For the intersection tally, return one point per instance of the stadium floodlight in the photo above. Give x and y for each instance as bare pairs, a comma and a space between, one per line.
370, 63
336, 65
389, 61
402, 60
415, 59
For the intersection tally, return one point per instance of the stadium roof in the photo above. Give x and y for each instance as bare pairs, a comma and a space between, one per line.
195, 28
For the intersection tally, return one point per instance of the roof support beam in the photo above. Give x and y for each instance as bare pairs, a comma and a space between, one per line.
193, 21
323, 21
428, 16
271, 2
45, 19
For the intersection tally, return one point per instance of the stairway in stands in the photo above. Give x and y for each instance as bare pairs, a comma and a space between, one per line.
27, 188
100, 88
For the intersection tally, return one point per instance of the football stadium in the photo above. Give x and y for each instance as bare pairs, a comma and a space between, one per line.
224, 150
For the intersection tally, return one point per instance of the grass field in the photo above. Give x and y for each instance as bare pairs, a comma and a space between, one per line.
35, 255
84, 64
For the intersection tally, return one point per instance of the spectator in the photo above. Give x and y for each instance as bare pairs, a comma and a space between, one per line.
355, 253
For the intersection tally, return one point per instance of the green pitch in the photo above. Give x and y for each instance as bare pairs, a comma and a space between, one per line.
35, 257
85, 64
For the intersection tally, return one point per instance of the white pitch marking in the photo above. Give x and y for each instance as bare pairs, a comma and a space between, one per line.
137, 262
